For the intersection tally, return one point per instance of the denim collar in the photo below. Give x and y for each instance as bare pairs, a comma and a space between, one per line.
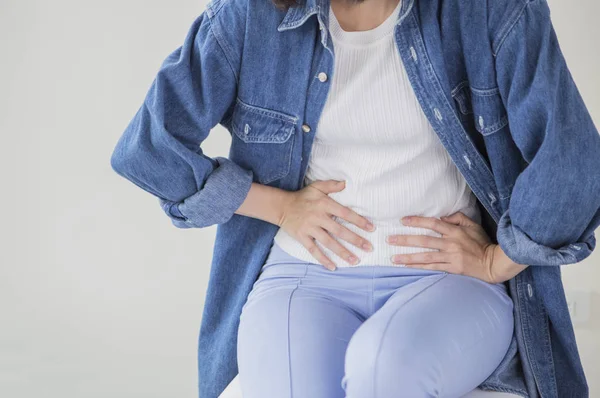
296, 16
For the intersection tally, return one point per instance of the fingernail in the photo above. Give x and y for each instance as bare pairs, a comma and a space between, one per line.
406, 220
352, 259
391, 239
367, 246
370, 227
393, 258
341, 182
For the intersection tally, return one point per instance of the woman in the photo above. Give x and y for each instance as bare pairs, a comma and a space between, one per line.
437, 110
403, 331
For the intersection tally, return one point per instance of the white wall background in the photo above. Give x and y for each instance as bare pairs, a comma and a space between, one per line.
100, 296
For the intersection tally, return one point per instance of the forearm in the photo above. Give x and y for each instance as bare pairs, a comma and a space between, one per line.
554, 202
265, 203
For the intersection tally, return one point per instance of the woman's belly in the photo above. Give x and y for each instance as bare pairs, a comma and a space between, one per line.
384, 192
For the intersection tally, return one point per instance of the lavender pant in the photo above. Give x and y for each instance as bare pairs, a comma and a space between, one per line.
368, 331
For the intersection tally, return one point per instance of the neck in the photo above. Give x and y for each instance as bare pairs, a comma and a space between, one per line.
359, 15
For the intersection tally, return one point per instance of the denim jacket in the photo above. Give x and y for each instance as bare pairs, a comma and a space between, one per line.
493, 83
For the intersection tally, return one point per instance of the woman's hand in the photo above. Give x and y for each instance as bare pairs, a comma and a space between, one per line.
464, 249
308, 216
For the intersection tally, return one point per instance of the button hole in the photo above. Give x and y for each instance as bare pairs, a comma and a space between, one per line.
467, 160
413, 53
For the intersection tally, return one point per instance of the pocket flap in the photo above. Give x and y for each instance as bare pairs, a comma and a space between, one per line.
488, 110
484, 106
462, 96
256, 124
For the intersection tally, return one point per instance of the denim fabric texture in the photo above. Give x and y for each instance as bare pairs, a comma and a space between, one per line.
494, 84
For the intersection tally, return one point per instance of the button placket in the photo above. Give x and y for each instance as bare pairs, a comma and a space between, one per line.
316, 94
410, 45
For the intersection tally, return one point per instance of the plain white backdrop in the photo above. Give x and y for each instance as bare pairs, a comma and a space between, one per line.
100, 296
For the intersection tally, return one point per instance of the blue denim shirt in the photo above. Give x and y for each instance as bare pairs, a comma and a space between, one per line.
491, 79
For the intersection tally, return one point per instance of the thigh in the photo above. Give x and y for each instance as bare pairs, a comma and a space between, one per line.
440, 336
292, 341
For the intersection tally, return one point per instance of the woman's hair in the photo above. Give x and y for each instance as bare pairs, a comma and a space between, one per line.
286, 4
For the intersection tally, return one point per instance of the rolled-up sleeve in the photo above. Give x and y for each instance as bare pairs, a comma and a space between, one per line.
554, 206
160, 151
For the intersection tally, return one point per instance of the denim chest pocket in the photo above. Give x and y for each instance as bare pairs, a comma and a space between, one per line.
481, 109
262, 141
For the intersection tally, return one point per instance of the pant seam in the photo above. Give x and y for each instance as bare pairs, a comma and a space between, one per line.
372, 291
298, 282
387, 326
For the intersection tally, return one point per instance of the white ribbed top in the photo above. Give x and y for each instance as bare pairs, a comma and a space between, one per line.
373, 134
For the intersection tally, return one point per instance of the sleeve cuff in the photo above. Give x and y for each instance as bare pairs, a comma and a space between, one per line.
520, 248
172, 210
223, 193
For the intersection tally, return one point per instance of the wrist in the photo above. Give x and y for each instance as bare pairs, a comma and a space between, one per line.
265, 203
284, 201
501, 267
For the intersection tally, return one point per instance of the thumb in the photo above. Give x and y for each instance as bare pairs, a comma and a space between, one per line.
328, 186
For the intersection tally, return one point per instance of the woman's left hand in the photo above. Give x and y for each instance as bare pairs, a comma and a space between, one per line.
464, 249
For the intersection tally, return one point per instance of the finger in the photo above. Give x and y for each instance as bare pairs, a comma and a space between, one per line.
328, 241
336, 229
432, 223
349, 215
316, 252
450, 219
450, 266
459, 218
431, 242
425, 258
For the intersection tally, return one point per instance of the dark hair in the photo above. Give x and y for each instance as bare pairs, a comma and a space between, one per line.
286, 4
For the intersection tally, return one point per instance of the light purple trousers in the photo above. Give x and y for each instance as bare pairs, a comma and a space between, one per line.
369, 331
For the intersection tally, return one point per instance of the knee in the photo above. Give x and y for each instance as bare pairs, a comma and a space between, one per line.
385, 366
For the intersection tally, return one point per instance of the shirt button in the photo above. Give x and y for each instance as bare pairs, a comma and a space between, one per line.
306, 128
323, 77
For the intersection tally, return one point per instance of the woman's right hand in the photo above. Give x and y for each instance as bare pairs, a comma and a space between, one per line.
308, 217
